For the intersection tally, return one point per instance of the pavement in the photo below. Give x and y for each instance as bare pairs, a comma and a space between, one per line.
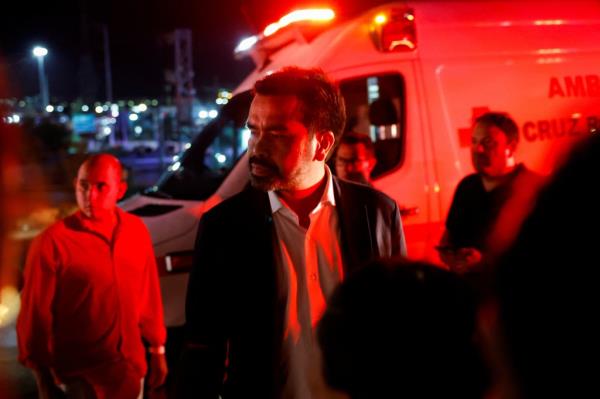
16, 381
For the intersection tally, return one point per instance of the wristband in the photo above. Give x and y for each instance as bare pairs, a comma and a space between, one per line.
157, 350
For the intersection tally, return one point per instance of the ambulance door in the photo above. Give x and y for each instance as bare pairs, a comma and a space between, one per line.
383, 106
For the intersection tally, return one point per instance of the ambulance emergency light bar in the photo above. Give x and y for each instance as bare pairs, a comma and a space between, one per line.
312, 15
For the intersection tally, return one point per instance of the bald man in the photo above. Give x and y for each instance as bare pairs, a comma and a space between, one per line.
91, 297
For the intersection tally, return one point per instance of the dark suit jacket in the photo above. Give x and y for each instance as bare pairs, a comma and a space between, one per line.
233, 308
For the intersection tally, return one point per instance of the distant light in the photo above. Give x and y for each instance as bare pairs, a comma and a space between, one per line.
142, 107
130, 103
187, 145
203, 114
49, 108
85, 108
10, 304
112, 120
221, 101
549, 22
154, 103
576, 115
9, 119
39, 51
175, 158
133, 117
246, 44
225, 94
380, 19
138, 130
105, 107
409, 17
220, 157
16, 118
60, 108
99, 109
546, 51
114, 110
213, 113
175, 166
22, 103
106, 130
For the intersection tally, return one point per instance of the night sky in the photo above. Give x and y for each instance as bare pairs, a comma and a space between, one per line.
137, 28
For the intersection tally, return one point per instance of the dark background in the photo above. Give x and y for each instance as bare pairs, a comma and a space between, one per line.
71, 30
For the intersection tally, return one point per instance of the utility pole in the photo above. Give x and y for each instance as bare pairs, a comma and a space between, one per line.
184, 80
107, 66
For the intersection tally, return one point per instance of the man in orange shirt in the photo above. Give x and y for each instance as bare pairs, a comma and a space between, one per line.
91, 295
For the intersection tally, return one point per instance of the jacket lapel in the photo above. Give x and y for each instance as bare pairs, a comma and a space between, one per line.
355, 226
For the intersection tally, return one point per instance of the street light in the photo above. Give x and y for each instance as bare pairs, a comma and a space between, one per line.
40, 53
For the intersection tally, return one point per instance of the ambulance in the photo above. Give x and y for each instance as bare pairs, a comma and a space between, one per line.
414, 76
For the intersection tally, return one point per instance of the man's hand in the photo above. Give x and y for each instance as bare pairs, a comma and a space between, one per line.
158, 370
459, 260
465, 259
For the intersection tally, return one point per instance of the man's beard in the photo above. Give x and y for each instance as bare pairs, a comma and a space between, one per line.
275, 181
264, 183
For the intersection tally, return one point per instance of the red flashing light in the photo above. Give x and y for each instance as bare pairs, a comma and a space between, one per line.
394, 30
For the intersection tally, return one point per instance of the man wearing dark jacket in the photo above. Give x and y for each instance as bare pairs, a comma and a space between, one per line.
267, 259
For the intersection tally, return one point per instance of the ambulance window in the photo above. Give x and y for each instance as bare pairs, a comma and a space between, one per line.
375, 107
212, 155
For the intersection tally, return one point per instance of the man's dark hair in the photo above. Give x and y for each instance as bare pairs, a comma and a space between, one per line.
503, 122
353, 138
322, 104
399, 328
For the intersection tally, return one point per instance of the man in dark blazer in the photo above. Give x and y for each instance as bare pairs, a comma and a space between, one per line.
266, 259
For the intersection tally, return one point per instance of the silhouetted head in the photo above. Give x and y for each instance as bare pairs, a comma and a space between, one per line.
546, 285
401, 329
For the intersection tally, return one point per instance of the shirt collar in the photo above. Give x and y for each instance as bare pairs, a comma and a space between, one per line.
327, 198
86, 224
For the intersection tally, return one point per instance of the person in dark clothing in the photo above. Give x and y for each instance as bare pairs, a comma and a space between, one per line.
267, 258
355, 158
542, 326
480, 197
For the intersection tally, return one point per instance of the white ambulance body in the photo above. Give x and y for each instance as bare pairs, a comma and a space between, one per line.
439, 65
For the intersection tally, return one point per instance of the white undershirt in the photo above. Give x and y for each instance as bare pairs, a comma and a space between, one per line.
310, 265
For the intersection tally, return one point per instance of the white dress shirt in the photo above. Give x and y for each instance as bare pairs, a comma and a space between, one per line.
310, 266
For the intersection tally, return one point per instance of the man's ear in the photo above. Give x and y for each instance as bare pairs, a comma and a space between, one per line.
511, 148
325, 142
122, 189
372, 163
